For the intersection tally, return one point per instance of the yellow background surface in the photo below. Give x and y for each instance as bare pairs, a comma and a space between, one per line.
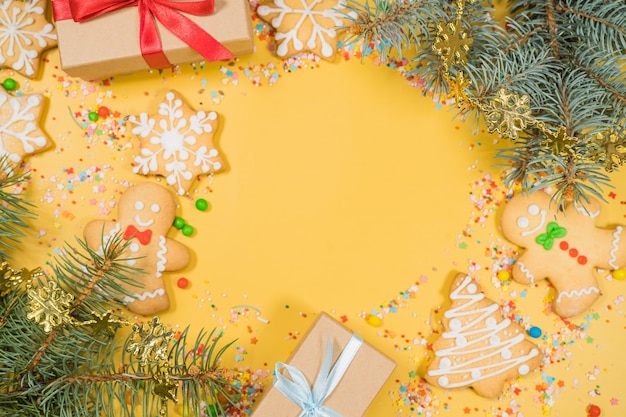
346, 191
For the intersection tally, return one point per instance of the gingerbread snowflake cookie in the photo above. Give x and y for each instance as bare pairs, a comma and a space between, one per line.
176, 143
564, 246
146, 213
305, 25
479, 347
25, 34
20, 134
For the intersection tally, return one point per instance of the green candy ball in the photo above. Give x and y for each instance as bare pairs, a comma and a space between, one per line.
9, 84
179, 223
93, 116
202, 204
188, 230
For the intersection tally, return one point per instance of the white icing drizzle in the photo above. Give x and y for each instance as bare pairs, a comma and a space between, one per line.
615, 244
526, 272
159, 292
577, 293
160, 266
488, 339
539, 226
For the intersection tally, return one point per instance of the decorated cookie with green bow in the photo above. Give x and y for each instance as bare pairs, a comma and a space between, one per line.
564, 246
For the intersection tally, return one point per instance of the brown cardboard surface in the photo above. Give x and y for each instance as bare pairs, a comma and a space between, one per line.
109, 44
360, 384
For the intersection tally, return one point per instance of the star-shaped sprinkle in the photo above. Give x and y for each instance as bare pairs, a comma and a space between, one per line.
176, 142
20, 134
25, 33
305, 25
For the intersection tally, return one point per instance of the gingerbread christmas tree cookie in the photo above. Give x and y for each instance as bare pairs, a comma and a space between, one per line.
25, 33
564, 246
304, 25
20, 134
479, 347
176, 143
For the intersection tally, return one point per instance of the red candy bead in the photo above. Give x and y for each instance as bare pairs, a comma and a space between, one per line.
103, 112
593, 411
573, 252
582, 259
563, 245
182, 283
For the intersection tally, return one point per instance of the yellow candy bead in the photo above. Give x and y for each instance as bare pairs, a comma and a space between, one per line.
373, 320
619, 274
504, 275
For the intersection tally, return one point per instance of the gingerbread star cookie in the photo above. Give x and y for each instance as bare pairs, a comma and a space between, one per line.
479, 347
305, 25
176, 143
25, 33
20, 134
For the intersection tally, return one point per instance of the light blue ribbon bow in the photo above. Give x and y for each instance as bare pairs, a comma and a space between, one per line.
298, 389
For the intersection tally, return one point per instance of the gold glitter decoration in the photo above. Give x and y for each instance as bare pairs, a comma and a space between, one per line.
104, 323
613, 149
452, 44
165, 388
11, 278
508, 114
559, 142
458, 88
49, 306
149, 341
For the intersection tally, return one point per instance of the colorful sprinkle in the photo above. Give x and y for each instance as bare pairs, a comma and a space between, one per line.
619, 274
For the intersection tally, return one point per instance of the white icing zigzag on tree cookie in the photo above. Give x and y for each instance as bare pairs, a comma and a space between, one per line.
489, 340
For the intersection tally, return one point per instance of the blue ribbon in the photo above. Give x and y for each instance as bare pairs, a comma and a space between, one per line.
298, 389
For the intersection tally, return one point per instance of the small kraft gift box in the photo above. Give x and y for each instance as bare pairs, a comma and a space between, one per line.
102, 38
332, 373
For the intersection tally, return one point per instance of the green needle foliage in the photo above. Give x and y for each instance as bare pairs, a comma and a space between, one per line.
14, 211
567, 56
74, 368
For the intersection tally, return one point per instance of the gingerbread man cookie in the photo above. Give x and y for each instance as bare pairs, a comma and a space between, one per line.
146, 212
479, 347
564, 246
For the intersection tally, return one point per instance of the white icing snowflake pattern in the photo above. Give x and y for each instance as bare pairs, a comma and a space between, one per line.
24, 34
177, 147
19, 132
317, 21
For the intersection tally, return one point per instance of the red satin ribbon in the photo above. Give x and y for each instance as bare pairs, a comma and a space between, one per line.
165, 11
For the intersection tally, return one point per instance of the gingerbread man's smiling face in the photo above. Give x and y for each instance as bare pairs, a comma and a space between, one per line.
145, 206
526, 216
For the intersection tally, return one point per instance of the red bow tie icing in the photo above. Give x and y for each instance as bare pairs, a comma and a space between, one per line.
143, 237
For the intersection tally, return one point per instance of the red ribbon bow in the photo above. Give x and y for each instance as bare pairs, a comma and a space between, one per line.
143, 237
165, 11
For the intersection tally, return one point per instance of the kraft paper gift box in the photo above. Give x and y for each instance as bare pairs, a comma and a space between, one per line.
363, 378
109, 44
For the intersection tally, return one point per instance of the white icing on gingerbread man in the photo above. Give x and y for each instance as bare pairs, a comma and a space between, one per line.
146, 213
562, 246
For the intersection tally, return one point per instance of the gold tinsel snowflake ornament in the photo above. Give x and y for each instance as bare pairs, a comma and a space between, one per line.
452, 44
508, 114
49, 306
150, 341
